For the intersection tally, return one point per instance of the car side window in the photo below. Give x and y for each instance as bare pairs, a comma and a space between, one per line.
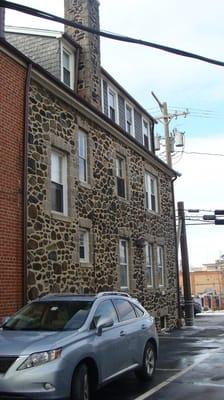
138, 311
125, 310
104, 310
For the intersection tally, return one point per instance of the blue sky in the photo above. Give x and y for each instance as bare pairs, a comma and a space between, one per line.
195, 26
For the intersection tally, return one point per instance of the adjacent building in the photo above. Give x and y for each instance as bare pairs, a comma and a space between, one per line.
97, 206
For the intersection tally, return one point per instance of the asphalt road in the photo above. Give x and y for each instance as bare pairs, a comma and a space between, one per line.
190, 366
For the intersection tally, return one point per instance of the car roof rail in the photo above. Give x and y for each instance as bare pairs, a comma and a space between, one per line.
125, 294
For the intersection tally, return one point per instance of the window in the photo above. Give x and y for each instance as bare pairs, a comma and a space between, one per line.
149, 264
129, 119
125, 310
138, 311
67, 67
160, 265
146, 135
83, 172
112, 104
84, 246
121, 175
123, 249
59, 182
105, 310
151, 192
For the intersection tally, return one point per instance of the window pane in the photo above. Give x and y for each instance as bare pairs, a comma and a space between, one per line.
120, 187
82, 170
66, 60
84, 246
148, 274
123, 275
82, 144
125, 310
123, 252
56, 197
66, 77
56, 167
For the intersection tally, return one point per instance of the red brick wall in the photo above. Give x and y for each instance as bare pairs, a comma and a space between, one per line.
12, 87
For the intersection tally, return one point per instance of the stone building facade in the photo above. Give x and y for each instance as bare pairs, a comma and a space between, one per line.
100, 204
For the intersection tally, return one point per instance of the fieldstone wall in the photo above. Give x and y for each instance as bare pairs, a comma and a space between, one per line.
53, 240
86, 12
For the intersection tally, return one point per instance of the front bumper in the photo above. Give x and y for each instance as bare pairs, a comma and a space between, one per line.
51, 380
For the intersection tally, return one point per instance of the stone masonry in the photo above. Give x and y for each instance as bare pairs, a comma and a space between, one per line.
86, 13
53, 240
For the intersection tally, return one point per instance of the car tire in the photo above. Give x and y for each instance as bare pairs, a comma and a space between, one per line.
80, 389
147, 370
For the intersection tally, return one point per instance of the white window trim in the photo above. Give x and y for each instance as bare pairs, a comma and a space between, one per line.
161, 266
132, 133
64, 181
148, 176
86, 246
149, 136
70, 52
127, 264
110, 88
150, 266
86, 155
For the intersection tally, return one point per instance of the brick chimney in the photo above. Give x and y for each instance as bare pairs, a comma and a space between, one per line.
86, 12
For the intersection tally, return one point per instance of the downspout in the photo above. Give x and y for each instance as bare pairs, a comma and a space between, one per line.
2, 23
25, 178
176, 256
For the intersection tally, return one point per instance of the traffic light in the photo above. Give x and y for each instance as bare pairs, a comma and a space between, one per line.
219, 222
219, 212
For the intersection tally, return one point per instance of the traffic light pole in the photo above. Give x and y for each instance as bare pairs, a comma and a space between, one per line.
189, 314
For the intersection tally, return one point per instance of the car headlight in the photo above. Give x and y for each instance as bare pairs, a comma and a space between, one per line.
36, 359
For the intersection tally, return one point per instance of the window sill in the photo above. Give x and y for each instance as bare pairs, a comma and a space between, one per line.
60, 217
85, 185
151, 212
123, 199
86, 264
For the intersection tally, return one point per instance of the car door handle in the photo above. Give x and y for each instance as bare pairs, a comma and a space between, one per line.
122, 333
143, 326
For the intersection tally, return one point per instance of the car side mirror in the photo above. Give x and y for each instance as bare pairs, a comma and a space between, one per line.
102, 324
4, 320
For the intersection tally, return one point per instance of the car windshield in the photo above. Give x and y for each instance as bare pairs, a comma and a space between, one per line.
50, 316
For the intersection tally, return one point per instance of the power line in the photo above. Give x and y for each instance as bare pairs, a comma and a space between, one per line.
51, 17
200, 153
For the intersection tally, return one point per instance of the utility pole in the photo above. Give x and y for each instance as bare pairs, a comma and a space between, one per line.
189, 314
166, 118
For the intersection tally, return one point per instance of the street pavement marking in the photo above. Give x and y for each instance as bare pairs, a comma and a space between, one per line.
174, 377
168, 369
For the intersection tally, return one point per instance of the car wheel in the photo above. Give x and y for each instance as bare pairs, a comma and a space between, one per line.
80, 384
147, 369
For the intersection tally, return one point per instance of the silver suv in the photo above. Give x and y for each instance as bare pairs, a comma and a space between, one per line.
66, 346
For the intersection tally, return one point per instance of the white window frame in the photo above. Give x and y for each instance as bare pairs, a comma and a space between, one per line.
122, 175
145, 122
132, 131
151, 189
64, 179
65, 48
125, 263
160, 264
84, 156
149, 262
114, 93
86, 258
